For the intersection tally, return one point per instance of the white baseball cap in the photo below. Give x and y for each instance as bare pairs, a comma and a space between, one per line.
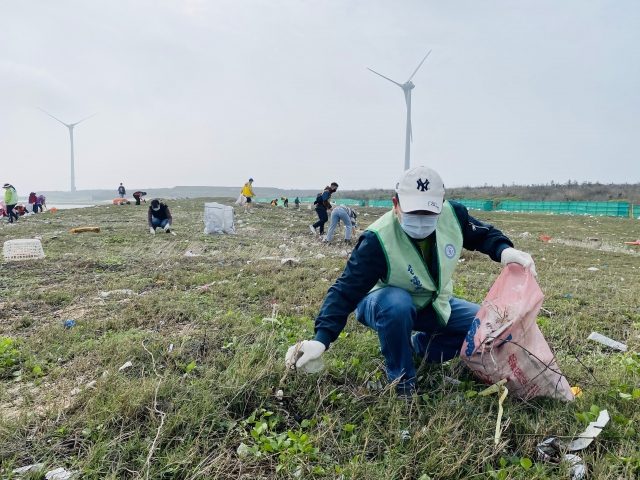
420, 188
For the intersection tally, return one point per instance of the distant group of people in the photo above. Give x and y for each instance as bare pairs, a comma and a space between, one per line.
13, 209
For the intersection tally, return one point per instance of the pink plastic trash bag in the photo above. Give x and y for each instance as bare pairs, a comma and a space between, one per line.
504, 340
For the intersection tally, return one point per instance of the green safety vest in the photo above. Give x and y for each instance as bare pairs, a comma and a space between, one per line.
406, 268
10, 196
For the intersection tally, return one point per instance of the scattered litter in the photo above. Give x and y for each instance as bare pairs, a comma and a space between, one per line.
336, 269
243, 450
319, 255
189, 253
323, 269
116, 292
568, 295
92, 384
248, 262
502, 391
270, 320
75, 391
593, 269
105, 373
592, 431
524, 234
461, 260
225, 281
171, 348
282, 246
637, 242
592, 239
69, 323
343, 253
609, 342
125, 366
28, 468
159, 252
279, 395
577, 391
404, 435
59, 474
374, 386
289, 261
451, 381
85, 229
551, 451
545, 238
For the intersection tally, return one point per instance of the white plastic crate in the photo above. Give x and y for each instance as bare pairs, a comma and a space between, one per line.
23, 249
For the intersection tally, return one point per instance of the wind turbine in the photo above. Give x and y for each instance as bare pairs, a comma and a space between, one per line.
407, 87
70, 127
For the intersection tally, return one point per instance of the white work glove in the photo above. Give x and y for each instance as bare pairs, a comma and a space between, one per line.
511, 255
167, 227
310, 349
152, 230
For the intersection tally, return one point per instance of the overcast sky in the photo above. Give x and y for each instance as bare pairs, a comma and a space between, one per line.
211, 92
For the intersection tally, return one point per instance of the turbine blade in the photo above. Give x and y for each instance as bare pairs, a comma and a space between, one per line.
425, 57
384, 77
53, 117
85, 118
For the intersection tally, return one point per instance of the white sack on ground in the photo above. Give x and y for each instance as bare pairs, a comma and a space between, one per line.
218, 219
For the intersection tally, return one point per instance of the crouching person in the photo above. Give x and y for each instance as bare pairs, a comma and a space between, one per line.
159, 215
398, 280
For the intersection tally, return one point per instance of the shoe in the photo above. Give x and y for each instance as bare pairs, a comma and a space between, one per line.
347, 242
168, 230
251, 211
407, 395
246, 213
313, 230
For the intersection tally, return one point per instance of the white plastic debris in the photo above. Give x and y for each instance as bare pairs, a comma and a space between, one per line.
451, 381
290, 261
243, 450
343, 253
59, 474
592, 431
279, 395
282, 246
116, 292
609, 342
374, 386
404, 435
28, 468
125, 366
273, 321
524, 234
319, 256
189, 253
593, 269
578, 469
75, 391
171, 348
92, 384
323, 269
105, 373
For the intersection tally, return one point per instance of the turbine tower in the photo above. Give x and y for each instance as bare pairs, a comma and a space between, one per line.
406, 87
70, 127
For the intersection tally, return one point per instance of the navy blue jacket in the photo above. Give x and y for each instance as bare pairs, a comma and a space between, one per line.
368, 264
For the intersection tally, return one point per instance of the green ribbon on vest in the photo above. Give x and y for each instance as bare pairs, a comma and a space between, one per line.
406, 268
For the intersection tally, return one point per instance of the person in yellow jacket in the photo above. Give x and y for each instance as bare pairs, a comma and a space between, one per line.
10, 200
247, 192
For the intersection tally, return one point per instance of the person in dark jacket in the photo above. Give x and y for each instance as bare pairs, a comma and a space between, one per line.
297, 203
323, 204
121, 191
138, 195
159, 215
398, 280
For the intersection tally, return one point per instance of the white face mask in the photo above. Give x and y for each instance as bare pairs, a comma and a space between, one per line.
155, 209
419, 226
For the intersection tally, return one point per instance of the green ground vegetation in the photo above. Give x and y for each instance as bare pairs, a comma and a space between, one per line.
201, 397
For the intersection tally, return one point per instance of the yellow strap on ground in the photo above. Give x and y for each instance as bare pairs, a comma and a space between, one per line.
501, 390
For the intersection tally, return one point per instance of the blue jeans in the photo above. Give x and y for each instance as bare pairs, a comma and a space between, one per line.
36, 207
337, 215
156, 222
390, 312
322, 219
122, 195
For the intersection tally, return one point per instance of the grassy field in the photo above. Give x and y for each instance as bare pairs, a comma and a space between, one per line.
206, 370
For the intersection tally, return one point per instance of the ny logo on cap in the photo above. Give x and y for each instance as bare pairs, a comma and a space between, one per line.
423, 186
